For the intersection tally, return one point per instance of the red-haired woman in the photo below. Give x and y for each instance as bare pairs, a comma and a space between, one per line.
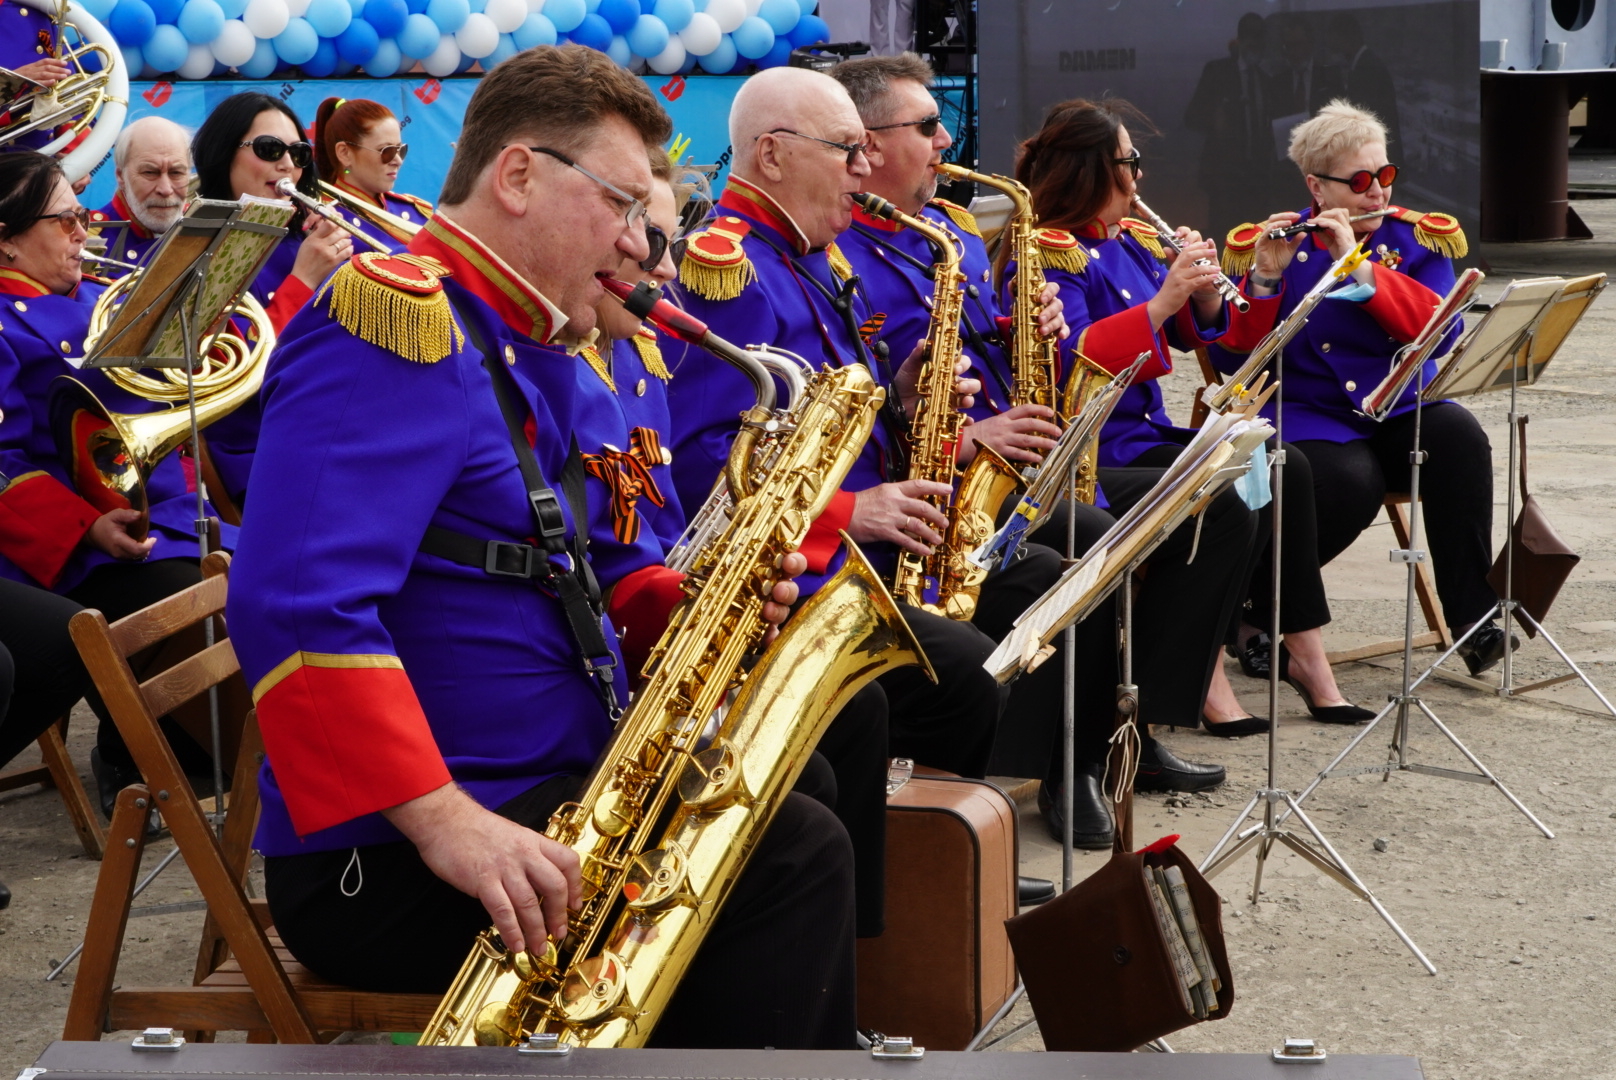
359, 148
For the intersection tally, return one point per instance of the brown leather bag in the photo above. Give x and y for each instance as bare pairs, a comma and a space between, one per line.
1095, 962
944, 966
1542, 561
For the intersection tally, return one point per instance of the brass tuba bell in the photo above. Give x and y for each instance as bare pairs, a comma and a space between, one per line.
86, 99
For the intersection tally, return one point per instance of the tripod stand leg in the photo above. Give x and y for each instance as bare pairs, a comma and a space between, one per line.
1234, 826
1486, 772
1324, 773
1570, 663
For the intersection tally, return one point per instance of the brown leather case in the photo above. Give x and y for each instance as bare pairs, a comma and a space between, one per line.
944, 965
1542, 561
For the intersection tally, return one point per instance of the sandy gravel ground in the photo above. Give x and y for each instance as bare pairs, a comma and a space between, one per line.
1521, 928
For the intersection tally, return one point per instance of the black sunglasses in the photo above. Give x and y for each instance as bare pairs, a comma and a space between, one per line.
661, 245
269, 148
927, 124
1134, 161
853, 149
1359, 182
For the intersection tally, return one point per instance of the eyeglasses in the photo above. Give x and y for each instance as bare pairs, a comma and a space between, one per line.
69, 220
927, 124
390, 153
853, 149
269, 148
633, 212
1359, 182
1134, 161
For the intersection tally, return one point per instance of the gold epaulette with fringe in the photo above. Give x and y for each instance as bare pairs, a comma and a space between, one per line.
958, 215
1438, 232
396, 302
645, 343
1146, 234
716, 266
1240, 249
1062, 250
839, 264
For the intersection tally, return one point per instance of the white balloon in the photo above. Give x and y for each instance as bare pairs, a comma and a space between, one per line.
728, 14
507, 14
535, 7
235, 44
670, 59
297, 7
198, 63
444, 59
479, 37
752, 7
267, 18
701, 35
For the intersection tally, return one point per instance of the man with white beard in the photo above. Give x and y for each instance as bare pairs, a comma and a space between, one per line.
152, 159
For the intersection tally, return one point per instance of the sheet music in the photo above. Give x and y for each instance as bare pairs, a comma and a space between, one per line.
1411, 358
1487, 351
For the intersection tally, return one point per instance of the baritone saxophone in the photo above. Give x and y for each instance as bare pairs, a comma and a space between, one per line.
674, 807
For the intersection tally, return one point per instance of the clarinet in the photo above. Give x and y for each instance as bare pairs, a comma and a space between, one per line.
1226, 288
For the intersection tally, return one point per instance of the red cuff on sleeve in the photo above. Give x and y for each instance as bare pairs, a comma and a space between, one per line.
1246, 331
1006, 325
639, 607
41, 524
1115, 340
288, 301
824, 536
346, 738
1401, 305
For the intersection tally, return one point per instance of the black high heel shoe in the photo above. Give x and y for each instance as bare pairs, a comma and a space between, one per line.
1234, 729
1324, 714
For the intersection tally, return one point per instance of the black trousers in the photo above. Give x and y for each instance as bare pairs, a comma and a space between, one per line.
1302, 603
1183, 610
41, 675
1456, 488
948, 724
854, 784
780, 954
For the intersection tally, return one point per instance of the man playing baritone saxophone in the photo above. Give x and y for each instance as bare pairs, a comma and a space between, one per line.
422, 715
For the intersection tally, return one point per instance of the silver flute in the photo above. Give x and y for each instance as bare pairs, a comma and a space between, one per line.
1313, 226
1226, 288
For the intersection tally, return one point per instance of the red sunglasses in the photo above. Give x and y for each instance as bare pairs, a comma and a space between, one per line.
1359, 182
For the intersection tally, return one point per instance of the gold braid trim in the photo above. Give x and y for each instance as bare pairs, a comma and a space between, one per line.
839, 264
716, 266
959, 216
1146, 234
417, 327
645, 343
1240, 249
1437, 232
594, 360
1062, 251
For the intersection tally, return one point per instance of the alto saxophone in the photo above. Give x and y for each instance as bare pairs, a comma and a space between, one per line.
673, 808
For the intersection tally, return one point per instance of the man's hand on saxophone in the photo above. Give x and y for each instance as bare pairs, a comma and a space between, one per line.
1023, 433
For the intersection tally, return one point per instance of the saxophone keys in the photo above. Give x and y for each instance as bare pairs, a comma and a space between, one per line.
497, 1024
594, 988
712, 779
614, 814
657, 878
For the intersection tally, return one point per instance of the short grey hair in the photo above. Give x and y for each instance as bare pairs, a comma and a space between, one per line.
868, 81
1339, 128
120, 149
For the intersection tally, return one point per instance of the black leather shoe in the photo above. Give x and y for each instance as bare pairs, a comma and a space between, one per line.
5, 895
1162, 770
1254, 655
1091, 816
1032, 891
1486, 648
110, 779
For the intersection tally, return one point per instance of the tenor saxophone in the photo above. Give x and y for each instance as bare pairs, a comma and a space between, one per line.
946, 582
672, 810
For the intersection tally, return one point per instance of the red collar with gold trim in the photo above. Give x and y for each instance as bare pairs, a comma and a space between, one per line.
745, 198
522, 307
17, 283
121, 208
377, 202
1093, 230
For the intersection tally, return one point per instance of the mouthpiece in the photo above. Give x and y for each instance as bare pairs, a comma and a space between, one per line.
285, 186
875, 206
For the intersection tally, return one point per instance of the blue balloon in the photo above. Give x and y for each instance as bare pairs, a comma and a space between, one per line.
449, 15
619, 51
233, 9
132, 23
298, 42
132, 59
479, 6
721, 59
753, 38
675, 14
689, 65
465, 63
536, 29
594, 32
565, 15
324, 61
167, 48
166, 11
506, 49
99, 10
357, 44
201, 21
648, 37
262, 64
357, 7
386, 61
592, 6
345, 68
386, 16
419, 36
647, 7
810, 30
329, 17
781, 15
778, 56
620, 15
416, 7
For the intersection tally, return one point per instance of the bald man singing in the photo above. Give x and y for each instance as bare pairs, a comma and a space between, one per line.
152, 163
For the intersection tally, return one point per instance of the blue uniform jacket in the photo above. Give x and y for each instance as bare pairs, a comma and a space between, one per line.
380, 672
1347, 347
127, 239
42, 517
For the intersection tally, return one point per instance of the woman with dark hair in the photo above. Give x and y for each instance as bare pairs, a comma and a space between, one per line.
359, 148
1125, 295
60, 547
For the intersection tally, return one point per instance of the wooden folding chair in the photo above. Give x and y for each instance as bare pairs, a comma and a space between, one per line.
56, 769
1396, 504
244, 978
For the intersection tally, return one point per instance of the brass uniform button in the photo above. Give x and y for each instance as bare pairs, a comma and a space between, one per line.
639, 388
1301, 256
66, 348
667, 456
1126, 295
510, 356
1325, 347
269, 295
21, 306
1351, 386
